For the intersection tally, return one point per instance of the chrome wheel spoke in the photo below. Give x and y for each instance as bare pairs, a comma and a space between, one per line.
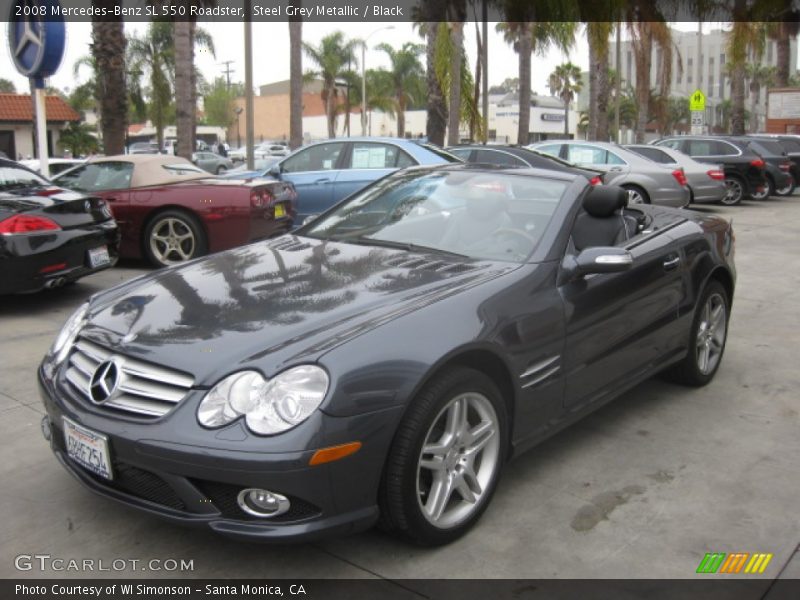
472, 480
456, 418
464, 490
439, 496
479, 436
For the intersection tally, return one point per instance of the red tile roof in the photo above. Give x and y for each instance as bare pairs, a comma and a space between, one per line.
18, 107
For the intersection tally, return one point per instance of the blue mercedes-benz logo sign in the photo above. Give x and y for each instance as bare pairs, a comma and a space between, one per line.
36, 36
104, 382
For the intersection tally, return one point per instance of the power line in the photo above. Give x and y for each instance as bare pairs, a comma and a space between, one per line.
227, 71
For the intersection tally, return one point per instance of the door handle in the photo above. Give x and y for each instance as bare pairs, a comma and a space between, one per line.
323, 180
672, 263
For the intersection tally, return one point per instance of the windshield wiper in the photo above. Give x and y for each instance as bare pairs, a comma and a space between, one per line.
407, 246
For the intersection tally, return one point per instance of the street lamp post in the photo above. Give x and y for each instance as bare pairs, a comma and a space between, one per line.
364, 78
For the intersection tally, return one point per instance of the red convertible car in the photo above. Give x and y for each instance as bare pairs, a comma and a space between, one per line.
170, 211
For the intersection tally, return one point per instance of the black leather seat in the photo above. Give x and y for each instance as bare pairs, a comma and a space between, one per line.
603, 221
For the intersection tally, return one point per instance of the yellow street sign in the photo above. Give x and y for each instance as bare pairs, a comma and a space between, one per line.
697, 101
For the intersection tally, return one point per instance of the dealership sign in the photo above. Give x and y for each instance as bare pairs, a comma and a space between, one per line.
552, 117
35, 38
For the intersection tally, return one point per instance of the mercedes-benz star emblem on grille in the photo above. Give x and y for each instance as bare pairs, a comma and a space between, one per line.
104, 381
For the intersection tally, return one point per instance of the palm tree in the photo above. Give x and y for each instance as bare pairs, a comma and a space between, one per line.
648, 28
154, 54
598, 34
759, 76
331, 57
187, 36
783, 32
527, 38
295, 83
565, 82
745, 38
407, 78
433, 31
108, 51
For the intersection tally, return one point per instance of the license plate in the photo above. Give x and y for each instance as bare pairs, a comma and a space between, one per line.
88, 448
280, 211
99, 257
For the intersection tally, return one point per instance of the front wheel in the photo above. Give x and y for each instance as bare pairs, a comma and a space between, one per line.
707, 338
446, 458
173, 237
221, 169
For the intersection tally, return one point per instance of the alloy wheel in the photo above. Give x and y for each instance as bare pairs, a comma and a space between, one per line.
734, 193
172, 241
458, 460
711, 332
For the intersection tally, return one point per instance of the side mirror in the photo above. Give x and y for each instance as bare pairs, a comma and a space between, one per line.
275, 171
600, 259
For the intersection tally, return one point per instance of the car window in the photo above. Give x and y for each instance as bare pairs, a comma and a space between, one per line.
377, 156
725, 149
182, 169
790, 145
445, 154
13, 177
551, 149
674, 144
767, 147
592, 155
702, 148
498, 157
321, 157
653, 154
493, 215
98, 176
462, 153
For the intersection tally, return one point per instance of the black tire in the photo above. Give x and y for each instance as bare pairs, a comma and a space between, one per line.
221, 169
399, 498
787, 191
637, 190
768, 191
171, 225
688, 371
735, 190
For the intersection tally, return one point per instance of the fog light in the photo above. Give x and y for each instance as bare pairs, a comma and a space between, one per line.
262, 503
46, 431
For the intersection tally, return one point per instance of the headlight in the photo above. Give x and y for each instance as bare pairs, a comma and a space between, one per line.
269, 406
68, 333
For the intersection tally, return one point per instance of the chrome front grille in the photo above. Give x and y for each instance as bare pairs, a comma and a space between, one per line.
143, 389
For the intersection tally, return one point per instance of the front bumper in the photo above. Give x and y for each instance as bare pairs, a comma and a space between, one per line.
187, 484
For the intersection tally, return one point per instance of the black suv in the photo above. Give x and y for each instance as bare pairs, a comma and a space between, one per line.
745, 171
778, 165
791, 146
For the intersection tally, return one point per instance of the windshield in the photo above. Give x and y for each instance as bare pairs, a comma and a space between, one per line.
15, 178
474, 214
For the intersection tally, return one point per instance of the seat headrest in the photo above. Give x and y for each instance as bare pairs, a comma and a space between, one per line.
603, 200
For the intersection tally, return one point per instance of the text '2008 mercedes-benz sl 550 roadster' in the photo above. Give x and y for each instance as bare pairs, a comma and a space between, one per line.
383, 362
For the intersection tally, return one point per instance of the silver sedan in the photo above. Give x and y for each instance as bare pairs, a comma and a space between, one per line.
646, 181
706, 182
212, 162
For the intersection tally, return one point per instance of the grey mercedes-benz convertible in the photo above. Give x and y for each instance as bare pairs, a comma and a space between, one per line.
384, 361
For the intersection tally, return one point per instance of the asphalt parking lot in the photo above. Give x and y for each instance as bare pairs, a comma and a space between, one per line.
641, 489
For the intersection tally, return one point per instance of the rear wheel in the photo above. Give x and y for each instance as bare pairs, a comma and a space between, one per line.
707, 338
787, 190
446, 458
221, 169
735, 191
768, 191
636, 195
173, 237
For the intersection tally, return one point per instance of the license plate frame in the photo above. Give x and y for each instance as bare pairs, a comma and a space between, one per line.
88, 448
98, 257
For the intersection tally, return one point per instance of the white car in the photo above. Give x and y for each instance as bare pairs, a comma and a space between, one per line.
54, 165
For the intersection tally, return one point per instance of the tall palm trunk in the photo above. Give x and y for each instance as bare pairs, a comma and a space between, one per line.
296, 83
525, 48
454, 120
437, 108
401, 114
108, 51
184, 98
330, 111
193, 87
643, 48
598, 34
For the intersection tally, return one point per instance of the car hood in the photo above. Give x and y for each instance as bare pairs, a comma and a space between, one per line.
272, 304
